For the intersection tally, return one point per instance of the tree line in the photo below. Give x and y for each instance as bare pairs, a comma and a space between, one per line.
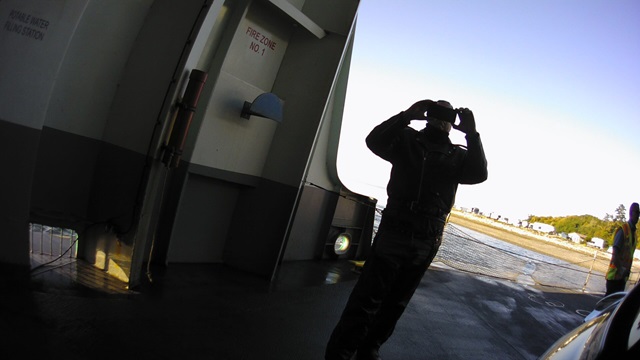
587, 225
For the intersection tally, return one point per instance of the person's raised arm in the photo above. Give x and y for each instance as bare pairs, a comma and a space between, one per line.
474, 170
382, 139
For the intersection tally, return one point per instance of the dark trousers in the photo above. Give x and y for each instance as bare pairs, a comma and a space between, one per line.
389, 278
614, 286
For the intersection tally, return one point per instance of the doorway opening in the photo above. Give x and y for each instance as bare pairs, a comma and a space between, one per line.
55, 264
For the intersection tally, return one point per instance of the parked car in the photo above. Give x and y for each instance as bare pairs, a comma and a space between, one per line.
611, 333
605, 305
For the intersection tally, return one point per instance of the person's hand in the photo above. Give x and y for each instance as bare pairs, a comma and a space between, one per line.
417, 111
467, 121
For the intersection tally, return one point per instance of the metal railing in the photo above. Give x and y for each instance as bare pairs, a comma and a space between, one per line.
52, 241
477, 253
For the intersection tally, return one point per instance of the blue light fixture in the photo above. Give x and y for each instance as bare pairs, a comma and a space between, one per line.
266, 105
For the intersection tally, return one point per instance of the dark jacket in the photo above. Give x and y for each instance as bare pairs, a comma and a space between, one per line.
427, 167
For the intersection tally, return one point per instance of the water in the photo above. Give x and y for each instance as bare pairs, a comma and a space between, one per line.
471, 251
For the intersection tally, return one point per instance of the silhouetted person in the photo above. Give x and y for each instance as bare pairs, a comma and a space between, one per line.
426, 171
624, 245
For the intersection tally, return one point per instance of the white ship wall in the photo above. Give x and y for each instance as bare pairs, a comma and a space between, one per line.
87, 96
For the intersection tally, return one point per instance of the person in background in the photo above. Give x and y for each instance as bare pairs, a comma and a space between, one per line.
426, 171
624, 245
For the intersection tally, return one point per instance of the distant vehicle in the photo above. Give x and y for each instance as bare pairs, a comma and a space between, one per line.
612, 332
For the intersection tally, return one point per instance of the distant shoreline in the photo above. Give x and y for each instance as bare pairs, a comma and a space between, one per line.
563, 250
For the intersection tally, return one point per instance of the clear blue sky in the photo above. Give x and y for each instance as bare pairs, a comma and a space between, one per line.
554, 86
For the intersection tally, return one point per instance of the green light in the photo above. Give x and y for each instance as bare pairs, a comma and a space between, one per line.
342, 244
